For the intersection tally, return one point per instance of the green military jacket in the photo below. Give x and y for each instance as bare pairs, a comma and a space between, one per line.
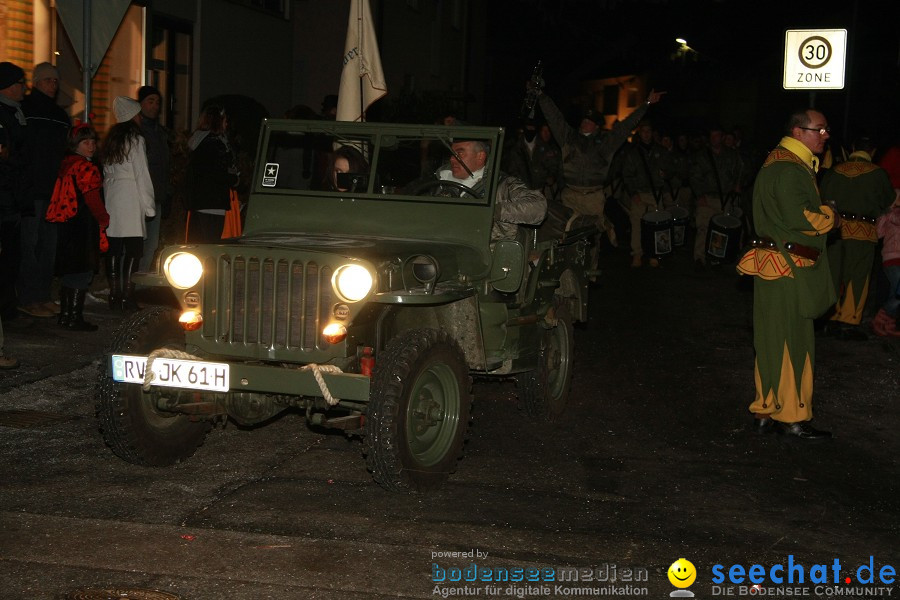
646, 168
704, 166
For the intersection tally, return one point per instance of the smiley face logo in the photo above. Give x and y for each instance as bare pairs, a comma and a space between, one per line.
682, 573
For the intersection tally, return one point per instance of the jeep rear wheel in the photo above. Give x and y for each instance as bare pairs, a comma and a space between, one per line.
544, 391
129, 421
419, 411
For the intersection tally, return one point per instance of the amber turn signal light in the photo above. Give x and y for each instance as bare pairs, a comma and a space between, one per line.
190, 320
334, 333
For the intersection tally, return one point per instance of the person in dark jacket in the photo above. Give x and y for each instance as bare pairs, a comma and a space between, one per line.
78, 211
536, 159
156, 138
12, 166
46, 142
211, 175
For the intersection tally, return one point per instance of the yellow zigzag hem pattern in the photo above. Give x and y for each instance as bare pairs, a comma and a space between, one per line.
769, 264
851, 309
859, 230
795, 405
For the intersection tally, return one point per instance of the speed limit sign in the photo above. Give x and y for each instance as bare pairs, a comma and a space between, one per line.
814, 59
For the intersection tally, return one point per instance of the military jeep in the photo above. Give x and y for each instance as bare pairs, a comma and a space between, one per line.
368, 301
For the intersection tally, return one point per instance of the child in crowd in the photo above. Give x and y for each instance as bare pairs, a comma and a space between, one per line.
77, 207
887, 321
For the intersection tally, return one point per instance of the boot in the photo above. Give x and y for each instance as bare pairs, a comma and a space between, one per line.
879, 321
893, 325
76, 321
129, 266
114, 277
65, 306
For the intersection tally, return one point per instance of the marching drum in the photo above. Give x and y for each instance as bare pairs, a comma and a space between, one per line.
680, 217
723, 240
656, 233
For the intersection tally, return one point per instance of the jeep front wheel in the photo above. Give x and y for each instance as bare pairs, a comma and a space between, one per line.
129, 421
419, 411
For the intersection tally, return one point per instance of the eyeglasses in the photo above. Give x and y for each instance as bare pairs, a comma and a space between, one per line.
821, 130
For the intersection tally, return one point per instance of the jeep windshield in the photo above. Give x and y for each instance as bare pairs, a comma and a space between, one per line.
371, 180
383, 159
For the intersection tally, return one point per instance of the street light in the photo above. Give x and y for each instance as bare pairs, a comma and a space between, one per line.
683, 50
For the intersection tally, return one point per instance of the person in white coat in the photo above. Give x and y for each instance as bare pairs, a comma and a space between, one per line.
129, 198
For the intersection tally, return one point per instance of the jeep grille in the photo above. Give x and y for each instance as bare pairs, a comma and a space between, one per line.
268, 302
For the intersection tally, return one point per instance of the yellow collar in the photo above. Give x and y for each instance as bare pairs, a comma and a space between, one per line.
863, 155
802, 152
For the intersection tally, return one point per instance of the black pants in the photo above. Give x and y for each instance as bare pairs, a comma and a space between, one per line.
10, 253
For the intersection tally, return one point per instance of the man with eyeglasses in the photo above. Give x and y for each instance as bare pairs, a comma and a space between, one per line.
12, 164
792, 283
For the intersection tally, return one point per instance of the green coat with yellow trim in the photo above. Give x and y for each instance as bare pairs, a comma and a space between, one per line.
787, 208
857, 186
786, 203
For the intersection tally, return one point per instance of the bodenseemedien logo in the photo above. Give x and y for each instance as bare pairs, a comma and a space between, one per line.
682, 574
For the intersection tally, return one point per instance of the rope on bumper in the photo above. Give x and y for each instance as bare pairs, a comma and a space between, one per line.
163, 353
317, 371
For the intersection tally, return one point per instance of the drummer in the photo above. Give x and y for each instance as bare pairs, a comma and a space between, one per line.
715, 173
646, 169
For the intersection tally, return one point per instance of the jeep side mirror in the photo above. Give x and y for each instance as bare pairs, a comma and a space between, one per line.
508, 266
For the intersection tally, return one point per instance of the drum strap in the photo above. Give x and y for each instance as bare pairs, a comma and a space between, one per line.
712, 162
656, 193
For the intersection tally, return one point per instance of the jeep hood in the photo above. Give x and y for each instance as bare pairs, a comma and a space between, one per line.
453, 257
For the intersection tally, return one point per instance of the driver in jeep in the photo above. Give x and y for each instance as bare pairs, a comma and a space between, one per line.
516, 204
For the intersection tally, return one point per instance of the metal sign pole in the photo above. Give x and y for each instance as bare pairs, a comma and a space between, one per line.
86, 66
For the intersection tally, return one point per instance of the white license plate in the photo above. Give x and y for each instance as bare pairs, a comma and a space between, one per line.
172, 372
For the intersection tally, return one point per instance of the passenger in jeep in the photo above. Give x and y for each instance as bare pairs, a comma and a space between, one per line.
348, 167
515, 205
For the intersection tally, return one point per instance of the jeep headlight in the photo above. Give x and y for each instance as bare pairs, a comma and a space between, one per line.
183, 270
353, 282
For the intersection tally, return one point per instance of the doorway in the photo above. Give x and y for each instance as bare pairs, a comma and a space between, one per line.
169, 52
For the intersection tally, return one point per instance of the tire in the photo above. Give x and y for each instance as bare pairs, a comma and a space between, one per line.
406, 450
544, 391
131, 426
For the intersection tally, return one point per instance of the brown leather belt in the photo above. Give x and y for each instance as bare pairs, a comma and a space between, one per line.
792, 247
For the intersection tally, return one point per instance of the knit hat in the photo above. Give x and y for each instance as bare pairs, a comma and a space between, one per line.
125, 108
10, 74
44, 71
148, 90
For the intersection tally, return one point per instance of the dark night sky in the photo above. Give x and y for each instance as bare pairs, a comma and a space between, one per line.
737, 77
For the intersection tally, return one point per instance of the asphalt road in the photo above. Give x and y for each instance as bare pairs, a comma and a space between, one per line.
652, 461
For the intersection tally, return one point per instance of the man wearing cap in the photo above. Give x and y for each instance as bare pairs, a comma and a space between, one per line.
157, 139
47, 133
587, 153
12, 166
